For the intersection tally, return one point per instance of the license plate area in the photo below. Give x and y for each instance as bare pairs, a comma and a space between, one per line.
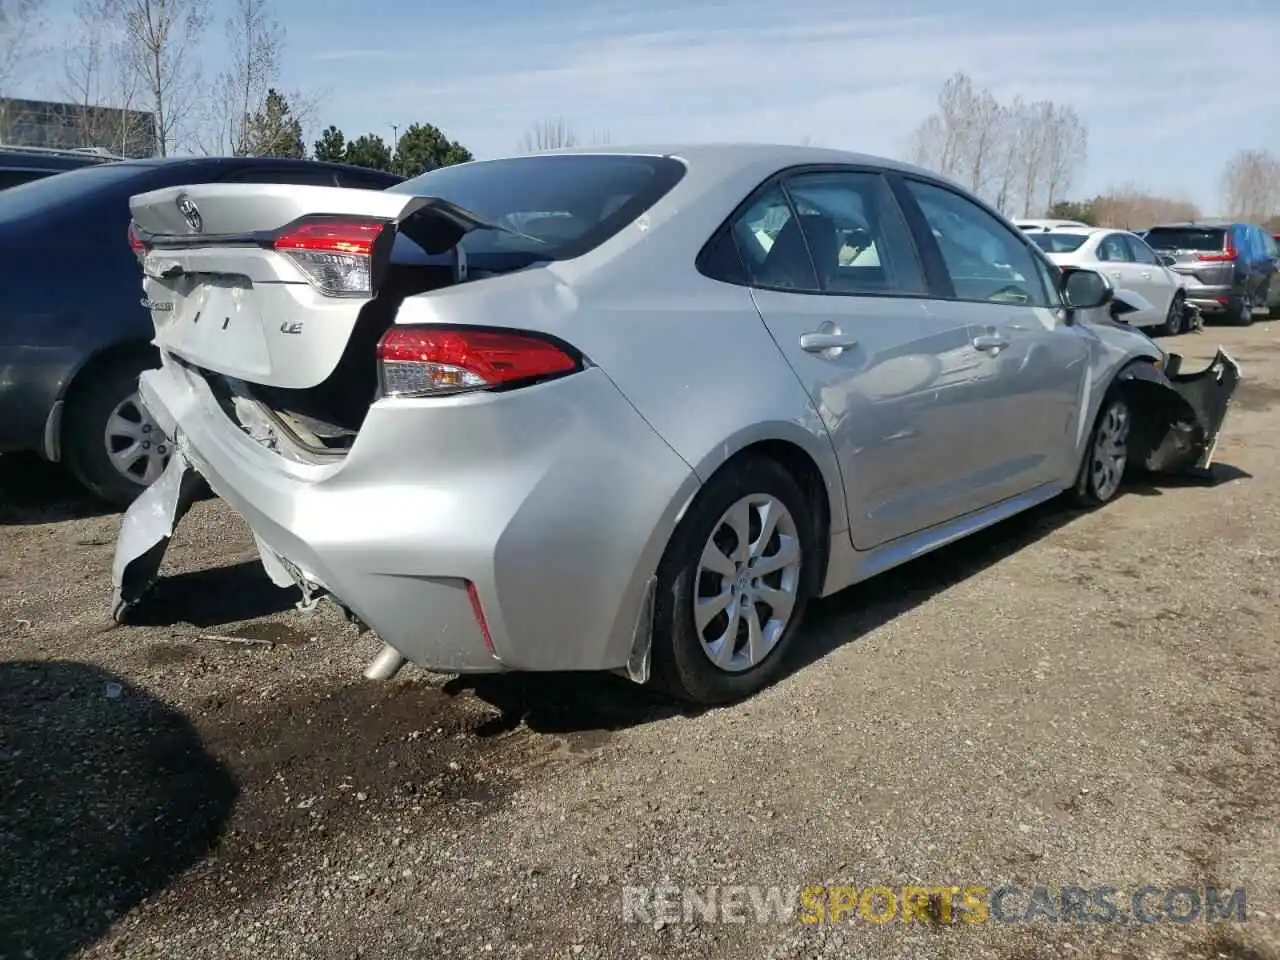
217, 326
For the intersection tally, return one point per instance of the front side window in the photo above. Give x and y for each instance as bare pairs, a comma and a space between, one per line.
985, 259
1141, 252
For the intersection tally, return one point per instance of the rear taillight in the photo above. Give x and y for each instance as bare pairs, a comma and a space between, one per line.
1226, 256
335, 253
432, 361
135, 242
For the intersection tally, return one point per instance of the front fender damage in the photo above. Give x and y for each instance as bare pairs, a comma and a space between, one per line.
1179, 416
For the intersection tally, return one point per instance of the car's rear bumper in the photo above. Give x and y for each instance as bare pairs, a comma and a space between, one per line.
549, 506
1214, 299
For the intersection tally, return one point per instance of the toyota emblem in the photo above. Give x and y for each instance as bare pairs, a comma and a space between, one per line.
191, 213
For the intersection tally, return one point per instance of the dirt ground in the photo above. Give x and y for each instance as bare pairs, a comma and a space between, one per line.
1070, 698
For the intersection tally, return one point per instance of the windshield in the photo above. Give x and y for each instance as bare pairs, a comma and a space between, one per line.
559, 206
1058, 242
48, 193
1207, 240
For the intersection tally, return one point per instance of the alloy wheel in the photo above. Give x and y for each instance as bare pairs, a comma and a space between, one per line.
747, 582
136, 446
1110, 455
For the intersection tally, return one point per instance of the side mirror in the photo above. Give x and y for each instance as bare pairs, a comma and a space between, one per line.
1086, 289
1168, 261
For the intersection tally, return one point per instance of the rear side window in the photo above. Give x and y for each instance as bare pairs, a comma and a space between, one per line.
1058, 242
1199, 239
1113, 249
11, 178
558, 207
64, 190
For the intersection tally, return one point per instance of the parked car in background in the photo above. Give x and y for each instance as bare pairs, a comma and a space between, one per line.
1229, 268
75, 329
23, 164
1044, 226
694, 388
1131, 265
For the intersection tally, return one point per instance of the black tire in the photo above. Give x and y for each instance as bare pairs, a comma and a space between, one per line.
1088, 490
681, 665
85, 445
1175, 321
1241, 315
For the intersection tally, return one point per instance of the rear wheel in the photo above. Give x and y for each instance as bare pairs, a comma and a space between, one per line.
1242, 313
733, 585
112, 445
1107, 456
1174, 321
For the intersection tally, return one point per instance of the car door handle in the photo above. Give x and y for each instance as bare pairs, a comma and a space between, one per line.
819, 341
1146, 275
990, 341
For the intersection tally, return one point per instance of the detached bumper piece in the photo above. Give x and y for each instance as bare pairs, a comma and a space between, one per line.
145, 532
1183, 412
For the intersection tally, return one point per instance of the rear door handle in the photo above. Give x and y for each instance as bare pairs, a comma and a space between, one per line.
1146, 275
828, 341
990, 341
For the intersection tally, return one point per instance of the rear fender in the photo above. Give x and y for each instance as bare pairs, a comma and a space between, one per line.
1178, 416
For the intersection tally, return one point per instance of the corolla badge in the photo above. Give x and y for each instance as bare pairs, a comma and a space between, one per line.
191, 213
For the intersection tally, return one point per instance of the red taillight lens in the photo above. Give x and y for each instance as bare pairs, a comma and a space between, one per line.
429, 361
135, 243
335, 253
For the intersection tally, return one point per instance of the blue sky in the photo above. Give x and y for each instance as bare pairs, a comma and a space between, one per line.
1169, 90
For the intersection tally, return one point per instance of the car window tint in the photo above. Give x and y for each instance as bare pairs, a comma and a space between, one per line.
719, 259
11, 178
363, 181
1059, 242
1112, 249
771, 244
1140, 251
855, 233
985, 259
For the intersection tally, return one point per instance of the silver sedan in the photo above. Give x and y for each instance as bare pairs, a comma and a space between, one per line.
629, 409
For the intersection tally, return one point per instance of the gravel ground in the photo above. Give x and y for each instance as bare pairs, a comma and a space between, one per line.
1085, 699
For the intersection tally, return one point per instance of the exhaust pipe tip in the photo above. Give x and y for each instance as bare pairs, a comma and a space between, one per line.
386, 664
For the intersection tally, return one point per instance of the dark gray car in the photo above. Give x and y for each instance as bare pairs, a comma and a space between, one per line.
72, 344
1230, 268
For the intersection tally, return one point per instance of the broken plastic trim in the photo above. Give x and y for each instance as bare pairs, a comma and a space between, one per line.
1184, 411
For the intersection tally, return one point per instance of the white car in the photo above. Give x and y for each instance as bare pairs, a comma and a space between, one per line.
1130, 264
1044, 226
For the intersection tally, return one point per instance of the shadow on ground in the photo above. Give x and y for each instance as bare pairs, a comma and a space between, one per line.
35, 491
107, 796
212, 597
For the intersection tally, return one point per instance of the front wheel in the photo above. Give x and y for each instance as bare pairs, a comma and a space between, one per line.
733, 585
1106, 457
112, 444
1174, 321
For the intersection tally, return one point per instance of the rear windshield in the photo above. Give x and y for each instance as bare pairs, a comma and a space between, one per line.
1206, 239
558, 207
1058, 242
74, 186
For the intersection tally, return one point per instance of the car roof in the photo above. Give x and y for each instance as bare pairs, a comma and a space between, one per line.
746, 154
214, 162
1196, 225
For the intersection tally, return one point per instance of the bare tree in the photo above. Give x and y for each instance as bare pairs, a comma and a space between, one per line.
1132, 208
20, 25
159, 53
549, 135
558, 134
1066, 148
1251, 186
942, 140
1021, 156
96, 76
255, 41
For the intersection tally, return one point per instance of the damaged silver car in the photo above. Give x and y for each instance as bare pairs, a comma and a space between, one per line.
629, 410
